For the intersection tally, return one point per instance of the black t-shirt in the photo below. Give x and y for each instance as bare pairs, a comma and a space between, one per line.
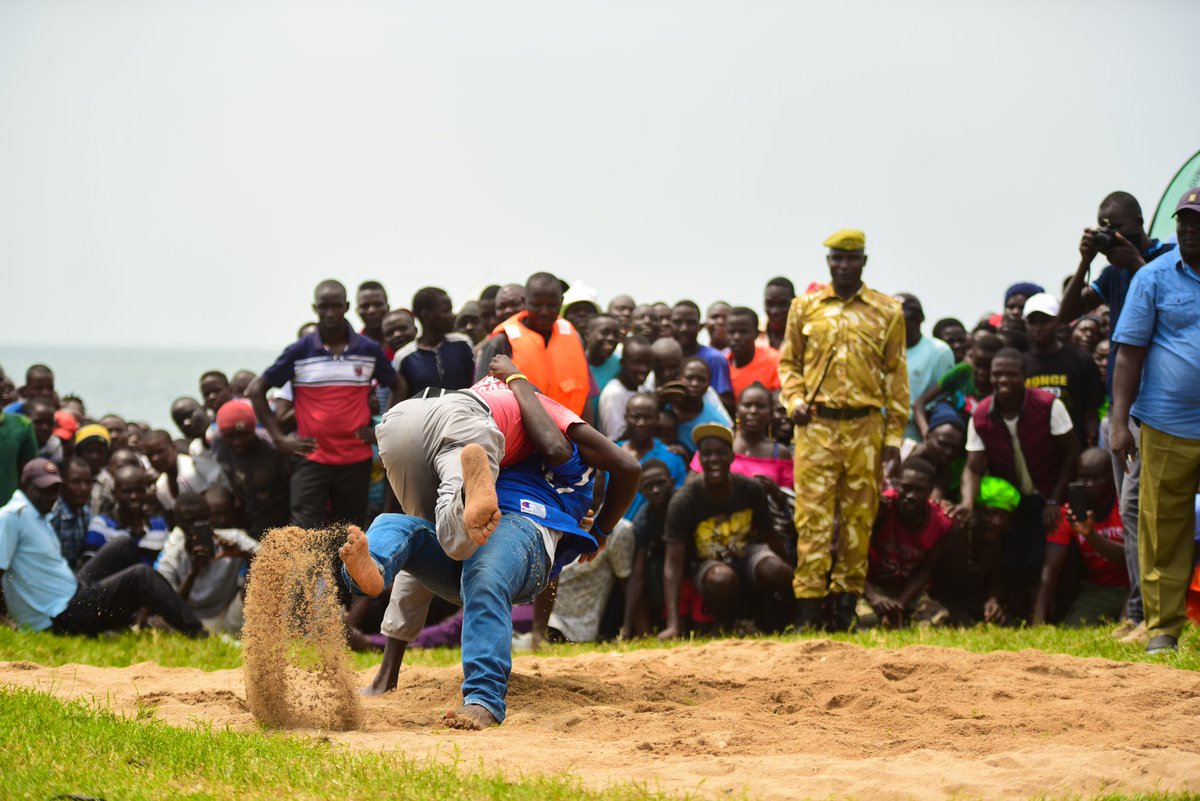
718, 529
1071, 376
261, 482
964, 568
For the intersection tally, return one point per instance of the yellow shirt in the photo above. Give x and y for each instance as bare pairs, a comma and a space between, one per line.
864, 337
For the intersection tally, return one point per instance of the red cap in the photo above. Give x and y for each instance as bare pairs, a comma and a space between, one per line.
236, 415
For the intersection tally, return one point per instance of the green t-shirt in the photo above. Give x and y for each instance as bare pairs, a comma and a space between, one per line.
958, 384
17, 446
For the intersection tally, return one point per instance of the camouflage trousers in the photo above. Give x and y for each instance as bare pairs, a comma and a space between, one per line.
839, 464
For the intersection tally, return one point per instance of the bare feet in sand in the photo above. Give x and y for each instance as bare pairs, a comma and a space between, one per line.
359, 564
469, 717
481, 511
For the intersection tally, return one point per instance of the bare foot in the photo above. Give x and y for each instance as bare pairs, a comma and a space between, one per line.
469, 717
359, 564
481, 510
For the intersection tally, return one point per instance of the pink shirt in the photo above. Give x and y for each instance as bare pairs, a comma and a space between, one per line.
507, 414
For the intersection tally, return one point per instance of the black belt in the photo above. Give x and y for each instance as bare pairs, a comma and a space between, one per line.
439, 392
842, 412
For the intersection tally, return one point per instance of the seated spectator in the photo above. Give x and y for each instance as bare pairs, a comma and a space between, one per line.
39, 383
905, 545
749, 363
1023, 435
584, 587
258, 473
40, 412
40, 591
70, 518
208, 581
600, 342
192, 421
953, 333
130, 522
964, 385
104, 497
641, 420
177, 472
687, 398
943, 448
968, 578
644, 610
1100, 534
633, 368
719, 531
440, 356
93, 445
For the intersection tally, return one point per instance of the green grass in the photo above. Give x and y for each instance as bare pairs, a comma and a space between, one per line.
71, 749
120, 650
58, 749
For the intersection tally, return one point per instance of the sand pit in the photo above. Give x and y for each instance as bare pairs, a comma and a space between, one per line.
779, 720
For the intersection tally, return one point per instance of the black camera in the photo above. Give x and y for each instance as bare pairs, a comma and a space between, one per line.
1105, 236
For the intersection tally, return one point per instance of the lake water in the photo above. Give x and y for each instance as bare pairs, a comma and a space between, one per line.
136, 383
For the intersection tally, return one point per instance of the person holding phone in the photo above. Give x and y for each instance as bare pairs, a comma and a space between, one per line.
1092, 517
205, 566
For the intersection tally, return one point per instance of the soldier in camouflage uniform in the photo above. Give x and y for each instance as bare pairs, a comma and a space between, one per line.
845, 386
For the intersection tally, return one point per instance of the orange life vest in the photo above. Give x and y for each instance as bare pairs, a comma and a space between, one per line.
560, 369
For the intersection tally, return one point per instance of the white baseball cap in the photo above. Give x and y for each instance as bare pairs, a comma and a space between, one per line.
1041, 303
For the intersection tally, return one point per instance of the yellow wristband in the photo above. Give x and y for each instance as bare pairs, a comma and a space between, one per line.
513, 378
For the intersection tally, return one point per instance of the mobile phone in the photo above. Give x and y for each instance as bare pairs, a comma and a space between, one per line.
1077, 497
203, 536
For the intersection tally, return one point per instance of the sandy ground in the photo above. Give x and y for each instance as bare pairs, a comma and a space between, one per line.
777, 720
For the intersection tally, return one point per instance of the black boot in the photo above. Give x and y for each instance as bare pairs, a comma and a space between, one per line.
810, 614
845, 618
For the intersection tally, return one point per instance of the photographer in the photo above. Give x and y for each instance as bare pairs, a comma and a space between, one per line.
1120, 235
205, 566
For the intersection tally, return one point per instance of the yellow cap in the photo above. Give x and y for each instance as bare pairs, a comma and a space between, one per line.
846, 239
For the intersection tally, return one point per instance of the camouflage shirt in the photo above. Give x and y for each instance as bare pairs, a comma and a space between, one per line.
864, 338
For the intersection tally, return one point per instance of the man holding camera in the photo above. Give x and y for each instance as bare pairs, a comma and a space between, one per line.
1120, 235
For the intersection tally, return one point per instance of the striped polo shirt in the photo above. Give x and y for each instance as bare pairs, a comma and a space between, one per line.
330, 392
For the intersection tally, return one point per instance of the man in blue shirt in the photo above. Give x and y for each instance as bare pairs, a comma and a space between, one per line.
543, 500
1158, 363
39, 590
685, 319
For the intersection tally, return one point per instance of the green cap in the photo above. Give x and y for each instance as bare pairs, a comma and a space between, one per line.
998, 494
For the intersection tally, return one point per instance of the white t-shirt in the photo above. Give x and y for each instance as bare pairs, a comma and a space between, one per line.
1060, 423
613, 400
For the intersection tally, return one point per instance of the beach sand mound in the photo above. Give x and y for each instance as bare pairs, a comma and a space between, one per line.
776, 720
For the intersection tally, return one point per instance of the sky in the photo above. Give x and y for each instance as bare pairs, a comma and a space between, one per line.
182, 174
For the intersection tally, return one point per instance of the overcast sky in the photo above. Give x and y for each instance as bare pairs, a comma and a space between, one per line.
183, 174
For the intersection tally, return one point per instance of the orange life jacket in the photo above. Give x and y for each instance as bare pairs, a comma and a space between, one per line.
560, 369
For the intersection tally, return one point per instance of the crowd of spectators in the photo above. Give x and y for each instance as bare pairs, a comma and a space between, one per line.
825, 463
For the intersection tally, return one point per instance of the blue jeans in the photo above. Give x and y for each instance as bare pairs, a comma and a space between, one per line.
512, 567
